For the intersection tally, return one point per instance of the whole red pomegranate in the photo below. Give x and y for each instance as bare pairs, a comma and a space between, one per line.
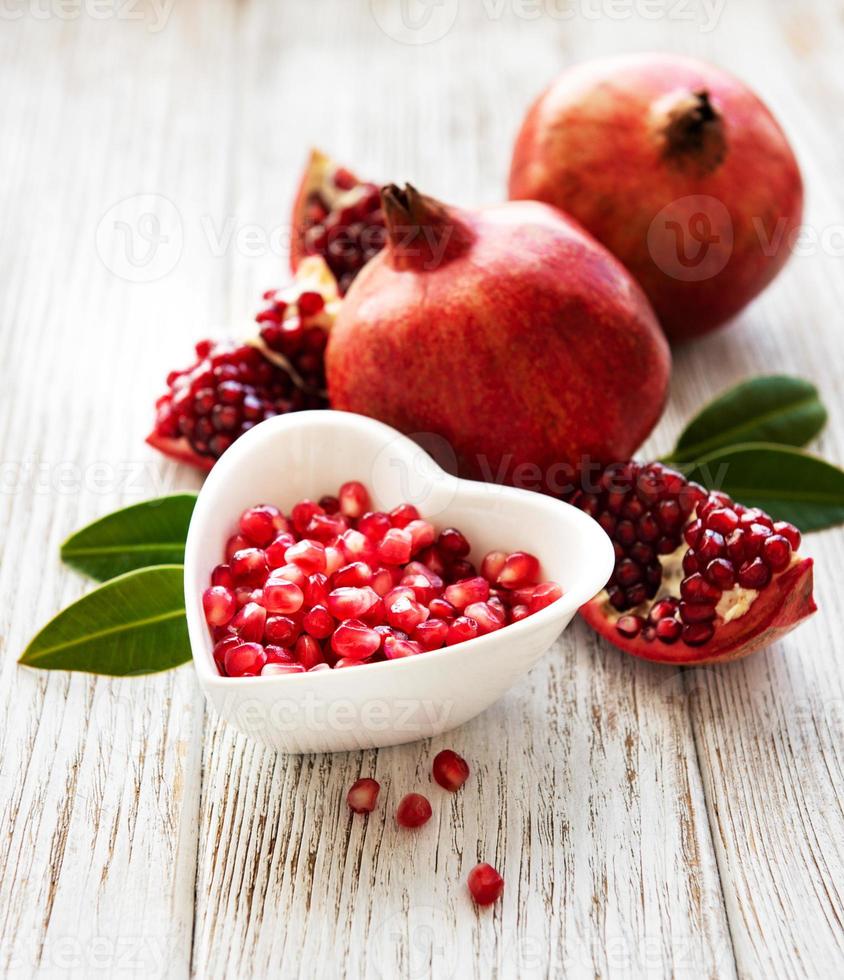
698, 577
678, 168
508, 331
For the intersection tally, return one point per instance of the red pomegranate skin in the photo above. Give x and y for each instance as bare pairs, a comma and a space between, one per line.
615, 141
517, 338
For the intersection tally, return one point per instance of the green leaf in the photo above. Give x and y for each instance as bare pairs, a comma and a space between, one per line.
777, 409
150, 533
789, 484
134, 624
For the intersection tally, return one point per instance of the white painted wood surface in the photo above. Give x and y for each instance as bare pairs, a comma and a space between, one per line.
648, 822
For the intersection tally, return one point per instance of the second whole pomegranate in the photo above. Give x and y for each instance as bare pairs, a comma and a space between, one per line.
509, 332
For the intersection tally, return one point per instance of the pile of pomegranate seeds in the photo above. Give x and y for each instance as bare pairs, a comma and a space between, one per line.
334, 584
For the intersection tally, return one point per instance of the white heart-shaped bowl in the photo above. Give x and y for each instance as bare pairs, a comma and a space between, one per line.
308, 454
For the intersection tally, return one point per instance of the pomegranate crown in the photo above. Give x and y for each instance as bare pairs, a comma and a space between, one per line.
422, 233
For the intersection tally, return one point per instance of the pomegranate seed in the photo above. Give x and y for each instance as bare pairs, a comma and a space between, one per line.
271, 669
492, 565
442, 609
331, 505
696, 612
789, 532
709, 547
776, 552
519, 569
318, 622
334, 559
413, 811
355, 575
382, 581
354, 640
461, 594
308, 652
308, 555
754, 574
249, 566
431, 634
723, 519
663, 609
754, 538
696, 634
695, 588
351, 603
303, 513
450, 770
245, 660
395, 547
461, 629
629, 626
543, 595
249, 622
363, 795
220, 650
222, 575
282, 596
219, 605
280, 630
237, 542
354, 499
721, 573
277, 551
278, 655
432, 559
402, 515
374, 525
668, 630
485, 884
395, 648
406, 614
486, 616
461, 569
452, 543
422, 535
261, 524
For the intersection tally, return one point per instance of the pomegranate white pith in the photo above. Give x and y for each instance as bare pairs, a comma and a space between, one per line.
698, 577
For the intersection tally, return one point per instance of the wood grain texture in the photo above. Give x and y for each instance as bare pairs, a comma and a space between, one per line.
648, 822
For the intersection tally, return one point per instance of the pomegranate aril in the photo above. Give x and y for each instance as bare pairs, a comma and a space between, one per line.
354, 640
363, 795
692, 532
282, 596
308, 555
270, 669
249, 566
278, 655
492, 565
709, 547
696, 634
754, 574
277, 551
461, 594
374, 525
413, 811
261, 524
220, 650
630, 626
754, 538
520, 568
406, 614
721, 573
453, 544
222, 575
422, 535
450, 770
486, 616
350, 602
354, 499
519, 612
303, 513
249, 622
395, 547
219, 605
485, 884
245, 660
331, 505
318, 622
695, 588
461, 569
308, 652
668, 630
442, 609
723, 519
697, 612
789, 532
354, 575
461, 629
431, 634
395, 648
402, 515
627, 573
281, 630
662, 609
776, 552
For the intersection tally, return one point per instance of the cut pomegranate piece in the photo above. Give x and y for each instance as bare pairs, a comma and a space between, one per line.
715, 581
233, 385
450, 770
485, 884
413, 811
337, 216
363, 795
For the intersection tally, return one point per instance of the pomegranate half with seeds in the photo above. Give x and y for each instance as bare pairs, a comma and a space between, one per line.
509, 332
234, 384
336, 216
698, 578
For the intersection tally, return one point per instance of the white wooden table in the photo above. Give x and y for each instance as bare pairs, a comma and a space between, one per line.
648, 822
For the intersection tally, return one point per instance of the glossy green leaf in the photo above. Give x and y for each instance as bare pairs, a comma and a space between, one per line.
134, 624
149, 533
787, 483
777, 409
